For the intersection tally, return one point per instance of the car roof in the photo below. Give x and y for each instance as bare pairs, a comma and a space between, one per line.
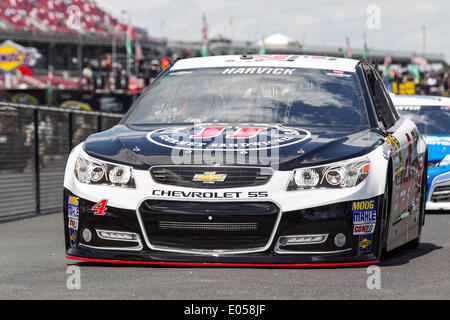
276, 60
420, 101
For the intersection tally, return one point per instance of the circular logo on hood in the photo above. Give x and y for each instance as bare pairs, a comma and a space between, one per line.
228, 138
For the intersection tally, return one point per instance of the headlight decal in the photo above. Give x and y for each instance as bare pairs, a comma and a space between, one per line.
445, 161
96, 172
338, 175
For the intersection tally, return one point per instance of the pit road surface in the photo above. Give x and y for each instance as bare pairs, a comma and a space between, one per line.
33, 266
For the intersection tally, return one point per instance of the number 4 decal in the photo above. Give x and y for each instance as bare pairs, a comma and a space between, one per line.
100, 208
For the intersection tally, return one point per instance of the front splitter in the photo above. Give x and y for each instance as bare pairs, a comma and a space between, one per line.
247, 261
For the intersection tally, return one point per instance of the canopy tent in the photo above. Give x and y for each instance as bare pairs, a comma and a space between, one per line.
278, 40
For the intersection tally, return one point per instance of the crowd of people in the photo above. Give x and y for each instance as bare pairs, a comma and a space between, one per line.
115, 76
60, 17
429, 83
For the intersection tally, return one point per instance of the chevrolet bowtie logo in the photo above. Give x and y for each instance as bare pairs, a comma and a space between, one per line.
209, 177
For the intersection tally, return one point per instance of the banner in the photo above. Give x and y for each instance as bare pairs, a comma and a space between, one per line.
13, 55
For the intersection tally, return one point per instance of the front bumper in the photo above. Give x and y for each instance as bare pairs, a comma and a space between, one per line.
233, 241
439, 193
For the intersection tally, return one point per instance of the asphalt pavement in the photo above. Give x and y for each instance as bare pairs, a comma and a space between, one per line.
33, 266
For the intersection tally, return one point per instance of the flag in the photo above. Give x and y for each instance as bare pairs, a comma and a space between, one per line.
263, 50
419, 60
50, 82
137, 45
349, 49
388, 68
129, 39
204, 52
415, 70
365, 49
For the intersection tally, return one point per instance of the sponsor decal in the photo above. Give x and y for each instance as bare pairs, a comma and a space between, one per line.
74, 201
13, 55
277, 57
24, 98
274, 71
75, 105
228, 138
337, 73
291, 58
210, 177
73, 206
72, 237
100, 208
209, 195
364, 212
408, 108
180, 73
73, 223
365, 243
386, 149
363, 229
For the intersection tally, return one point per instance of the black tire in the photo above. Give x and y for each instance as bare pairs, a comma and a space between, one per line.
384, 224
414, 244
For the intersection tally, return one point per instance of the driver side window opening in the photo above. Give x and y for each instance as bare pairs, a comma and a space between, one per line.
380, 100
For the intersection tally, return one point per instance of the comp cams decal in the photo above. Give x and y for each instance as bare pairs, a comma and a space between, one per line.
73, 224
228, 138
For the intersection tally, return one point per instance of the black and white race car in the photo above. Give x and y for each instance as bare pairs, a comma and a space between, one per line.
269, 160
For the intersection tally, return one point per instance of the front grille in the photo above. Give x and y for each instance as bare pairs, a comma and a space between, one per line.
183, 176
441, 194
208, 226
180, 225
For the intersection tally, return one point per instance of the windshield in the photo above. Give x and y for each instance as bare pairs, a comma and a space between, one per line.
307, 97
430, 120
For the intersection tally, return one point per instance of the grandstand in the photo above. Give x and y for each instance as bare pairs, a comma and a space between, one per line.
68, 33
51, 16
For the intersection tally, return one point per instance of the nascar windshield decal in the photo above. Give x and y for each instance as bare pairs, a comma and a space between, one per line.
228, 138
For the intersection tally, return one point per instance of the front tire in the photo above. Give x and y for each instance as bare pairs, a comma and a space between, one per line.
414, 244
384, 224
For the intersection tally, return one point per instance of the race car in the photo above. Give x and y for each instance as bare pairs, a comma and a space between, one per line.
250, 160
432, 116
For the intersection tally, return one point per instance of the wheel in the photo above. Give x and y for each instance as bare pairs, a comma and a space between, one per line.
384, 225
414, 244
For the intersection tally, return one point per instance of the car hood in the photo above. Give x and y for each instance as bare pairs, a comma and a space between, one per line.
438, 146
283, 148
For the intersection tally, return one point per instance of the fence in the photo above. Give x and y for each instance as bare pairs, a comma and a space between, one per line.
34, 144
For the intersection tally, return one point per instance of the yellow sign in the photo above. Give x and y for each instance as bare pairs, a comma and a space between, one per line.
13, 55
210, 177
75, 105
407, 88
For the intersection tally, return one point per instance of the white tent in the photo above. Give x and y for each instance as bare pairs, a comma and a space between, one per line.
279, 40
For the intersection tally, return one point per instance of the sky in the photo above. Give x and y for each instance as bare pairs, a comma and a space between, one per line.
397, 27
